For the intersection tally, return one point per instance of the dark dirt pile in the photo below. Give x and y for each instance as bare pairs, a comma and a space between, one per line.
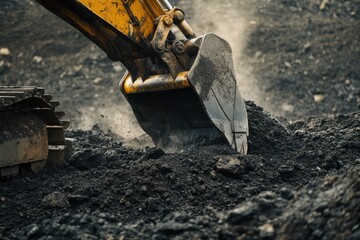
100, 175
324, 209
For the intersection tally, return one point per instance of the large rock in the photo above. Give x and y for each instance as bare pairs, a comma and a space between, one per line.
230, 166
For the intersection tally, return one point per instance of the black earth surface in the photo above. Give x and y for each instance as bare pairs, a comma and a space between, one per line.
300, 179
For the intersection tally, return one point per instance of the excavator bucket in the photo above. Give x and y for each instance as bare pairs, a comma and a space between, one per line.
201, 104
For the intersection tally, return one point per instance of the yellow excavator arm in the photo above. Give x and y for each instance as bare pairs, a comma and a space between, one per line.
132, 32
182, 89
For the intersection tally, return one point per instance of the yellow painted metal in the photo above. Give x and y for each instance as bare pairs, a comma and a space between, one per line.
133, 18
155, 83
74, 17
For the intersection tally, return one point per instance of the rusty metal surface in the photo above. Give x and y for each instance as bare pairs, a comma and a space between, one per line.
154, 83
29, 128
23, 139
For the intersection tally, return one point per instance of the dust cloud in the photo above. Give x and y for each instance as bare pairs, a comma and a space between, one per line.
116, 117
119, 121
233, 21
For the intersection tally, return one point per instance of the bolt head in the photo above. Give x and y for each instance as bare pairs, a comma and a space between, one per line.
159, 47
168, 21
179, 47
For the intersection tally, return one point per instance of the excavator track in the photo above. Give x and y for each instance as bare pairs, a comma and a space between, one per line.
31, 130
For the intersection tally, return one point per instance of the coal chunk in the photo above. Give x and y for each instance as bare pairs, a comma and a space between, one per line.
230, 166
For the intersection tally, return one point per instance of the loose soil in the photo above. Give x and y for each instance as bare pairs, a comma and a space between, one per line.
299, 181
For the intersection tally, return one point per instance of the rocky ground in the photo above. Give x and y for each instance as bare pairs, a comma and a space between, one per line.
307, 54
299, 181
301, 215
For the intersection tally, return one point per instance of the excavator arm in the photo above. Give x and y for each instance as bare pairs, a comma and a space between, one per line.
182, 89
132, 32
